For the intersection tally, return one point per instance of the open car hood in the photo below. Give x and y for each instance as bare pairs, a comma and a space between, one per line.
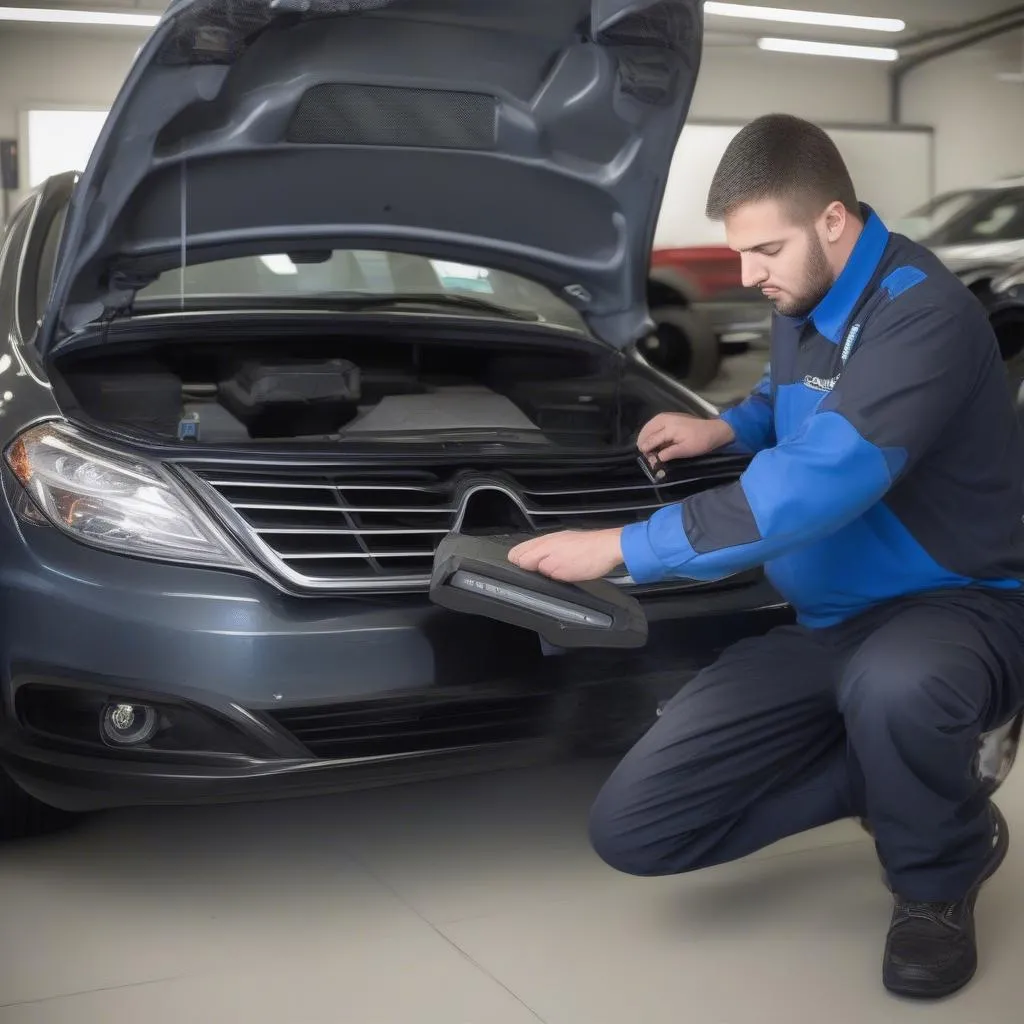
533, 136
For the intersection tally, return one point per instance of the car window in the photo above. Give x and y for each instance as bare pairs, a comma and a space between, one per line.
925, 220
348, 273
997, 222
999, 218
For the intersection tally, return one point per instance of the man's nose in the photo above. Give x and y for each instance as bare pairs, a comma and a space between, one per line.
752, 272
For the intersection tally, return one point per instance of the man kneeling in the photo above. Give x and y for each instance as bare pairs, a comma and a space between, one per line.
885, 500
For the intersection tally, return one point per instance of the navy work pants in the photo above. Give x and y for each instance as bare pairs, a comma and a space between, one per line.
878, 718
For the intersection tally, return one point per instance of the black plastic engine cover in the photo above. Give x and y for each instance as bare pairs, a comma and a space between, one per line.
293, 399
473, 575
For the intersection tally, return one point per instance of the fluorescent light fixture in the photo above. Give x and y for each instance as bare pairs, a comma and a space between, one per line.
822, 18
57, 16
808, 46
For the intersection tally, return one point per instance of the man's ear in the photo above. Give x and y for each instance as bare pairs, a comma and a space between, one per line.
835, 221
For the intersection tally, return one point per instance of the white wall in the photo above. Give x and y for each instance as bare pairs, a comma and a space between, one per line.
51, 68
742, 83
978, 120
80, 69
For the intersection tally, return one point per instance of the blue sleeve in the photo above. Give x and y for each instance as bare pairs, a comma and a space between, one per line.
753, 420
902, 387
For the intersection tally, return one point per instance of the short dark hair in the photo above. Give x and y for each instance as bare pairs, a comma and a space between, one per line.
785, 158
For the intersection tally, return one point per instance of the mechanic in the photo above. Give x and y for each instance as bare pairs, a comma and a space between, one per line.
885, 499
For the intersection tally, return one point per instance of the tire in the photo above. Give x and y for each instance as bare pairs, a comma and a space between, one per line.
22, 816
684, 346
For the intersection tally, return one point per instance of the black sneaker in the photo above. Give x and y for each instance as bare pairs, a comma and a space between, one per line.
931, 950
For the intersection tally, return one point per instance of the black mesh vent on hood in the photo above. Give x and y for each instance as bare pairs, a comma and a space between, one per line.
371, 115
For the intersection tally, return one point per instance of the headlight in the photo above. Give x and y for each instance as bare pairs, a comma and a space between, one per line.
113, 500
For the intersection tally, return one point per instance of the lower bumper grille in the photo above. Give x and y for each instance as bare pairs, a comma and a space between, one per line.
416, 725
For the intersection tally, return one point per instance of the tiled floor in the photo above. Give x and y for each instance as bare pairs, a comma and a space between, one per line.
468, 901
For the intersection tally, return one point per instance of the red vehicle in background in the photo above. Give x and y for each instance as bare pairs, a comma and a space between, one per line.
702, 311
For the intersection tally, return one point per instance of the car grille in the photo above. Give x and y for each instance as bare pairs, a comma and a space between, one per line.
417, 724
380, 529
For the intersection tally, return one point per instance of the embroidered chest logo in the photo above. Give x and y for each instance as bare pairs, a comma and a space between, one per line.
829, 383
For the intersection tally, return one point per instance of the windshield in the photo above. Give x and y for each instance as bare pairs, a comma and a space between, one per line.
923, 221
348, 274
999, 217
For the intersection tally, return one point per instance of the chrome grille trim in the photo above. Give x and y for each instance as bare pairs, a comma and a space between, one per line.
253, 506
298, 531
309, 557
311, 487
318, 545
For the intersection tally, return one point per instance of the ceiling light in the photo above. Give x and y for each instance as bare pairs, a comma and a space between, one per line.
804, 17
808, 46
49, 16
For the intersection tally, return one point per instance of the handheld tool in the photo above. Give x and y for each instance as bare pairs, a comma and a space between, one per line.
473, 575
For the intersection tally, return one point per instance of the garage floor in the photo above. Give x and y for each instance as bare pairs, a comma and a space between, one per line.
467, 901
738, 376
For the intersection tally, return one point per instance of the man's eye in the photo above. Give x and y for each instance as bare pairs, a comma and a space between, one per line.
773, 251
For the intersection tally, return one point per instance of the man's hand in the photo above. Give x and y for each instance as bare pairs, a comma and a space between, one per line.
677, 435
570, 556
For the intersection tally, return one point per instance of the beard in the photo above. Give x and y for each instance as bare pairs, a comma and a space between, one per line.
818, 279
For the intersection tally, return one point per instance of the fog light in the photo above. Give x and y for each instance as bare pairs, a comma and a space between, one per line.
129, 725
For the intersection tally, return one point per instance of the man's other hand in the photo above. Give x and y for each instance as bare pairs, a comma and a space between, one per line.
677, 435
571, 556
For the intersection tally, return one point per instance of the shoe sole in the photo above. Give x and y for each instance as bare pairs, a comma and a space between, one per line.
927, 990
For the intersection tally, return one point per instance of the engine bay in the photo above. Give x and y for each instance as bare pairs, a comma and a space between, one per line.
365, 390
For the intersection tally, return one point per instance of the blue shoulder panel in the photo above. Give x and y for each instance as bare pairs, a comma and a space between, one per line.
902, 279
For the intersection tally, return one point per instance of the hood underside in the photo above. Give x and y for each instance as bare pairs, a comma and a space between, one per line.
533, 136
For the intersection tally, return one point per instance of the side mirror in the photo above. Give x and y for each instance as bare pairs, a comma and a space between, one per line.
473, 575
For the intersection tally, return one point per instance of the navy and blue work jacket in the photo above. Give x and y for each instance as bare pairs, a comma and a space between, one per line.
887, 458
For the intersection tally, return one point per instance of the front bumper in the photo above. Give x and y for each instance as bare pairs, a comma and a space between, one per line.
83, 784
235, 649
